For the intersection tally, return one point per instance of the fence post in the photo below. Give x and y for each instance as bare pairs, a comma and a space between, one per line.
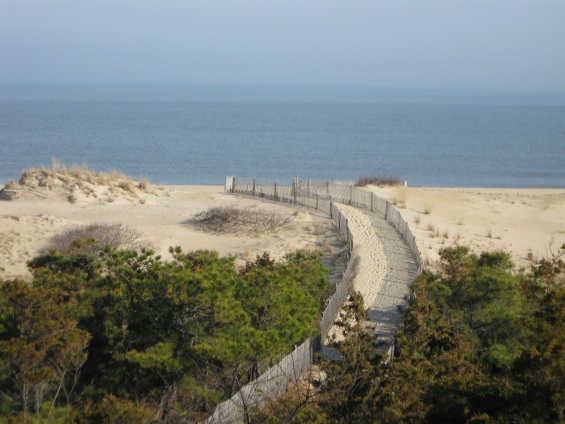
317, 200
254, 186
229, 186
351, 194
294, 187
275, 195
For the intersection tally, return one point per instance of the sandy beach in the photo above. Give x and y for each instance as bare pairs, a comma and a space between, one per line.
519, 221
160, 214
522, 222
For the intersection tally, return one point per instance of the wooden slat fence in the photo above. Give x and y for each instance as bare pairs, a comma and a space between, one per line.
267, 386
275, 381
317, 195
320, 195
335, 303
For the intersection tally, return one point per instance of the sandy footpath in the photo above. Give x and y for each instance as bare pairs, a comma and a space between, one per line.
522, 222
383, 270
368, 254
160, 214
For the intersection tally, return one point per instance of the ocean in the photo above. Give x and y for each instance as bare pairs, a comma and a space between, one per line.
188, 134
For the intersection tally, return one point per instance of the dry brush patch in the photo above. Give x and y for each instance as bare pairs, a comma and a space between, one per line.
428, 208
233, 220
399, 199
93, 238
143, 184
379, 180
11, 185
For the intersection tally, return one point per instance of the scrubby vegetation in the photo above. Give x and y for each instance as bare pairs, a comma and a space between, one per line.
80, 181
60, 171
125, 337
121, 336
379, 180
92, 239
480, 343
230, 219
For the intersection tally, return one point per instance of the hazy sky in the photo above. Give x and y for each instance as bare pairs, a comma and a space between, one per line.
410, 43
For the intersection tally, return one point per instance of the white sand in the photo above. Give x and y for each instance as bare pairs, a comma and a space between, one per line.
27, 223
518, 221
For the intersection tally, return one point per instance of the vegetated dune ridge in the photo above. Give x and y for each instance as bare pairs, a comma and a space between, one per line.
522, 222
159, 213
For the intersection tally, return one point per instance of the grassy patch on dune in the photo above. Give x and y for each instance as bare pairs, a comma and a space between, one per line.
77, 173
81, 181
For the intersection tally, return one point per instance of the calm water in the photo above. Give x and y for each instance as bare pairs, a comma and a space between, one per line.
197, 135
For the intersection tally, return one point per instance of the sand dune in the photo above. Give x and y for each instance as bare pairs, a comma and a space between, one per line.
159, 213
520, 221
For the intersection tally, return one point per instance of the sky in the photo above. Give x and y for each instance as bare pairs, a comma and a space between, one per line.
492, 44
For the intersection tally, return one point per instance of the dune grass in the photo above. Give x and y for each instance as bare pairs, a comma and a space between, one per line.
81, 175
80, 181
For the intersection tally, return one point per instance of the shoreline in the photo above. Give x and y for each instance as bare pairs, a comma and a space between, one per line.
423, 187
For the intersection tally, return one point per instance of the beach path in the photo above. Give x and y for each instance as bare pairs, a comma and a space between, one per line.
384, 269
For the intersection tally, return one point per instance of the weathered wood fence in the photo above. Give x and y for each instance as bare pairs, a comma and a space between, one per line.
268, 386
320, 195
275, 381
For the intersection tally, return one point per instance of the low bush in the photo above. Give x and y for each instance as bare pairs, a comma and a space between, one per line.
379, 180
229, 219
92, 238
